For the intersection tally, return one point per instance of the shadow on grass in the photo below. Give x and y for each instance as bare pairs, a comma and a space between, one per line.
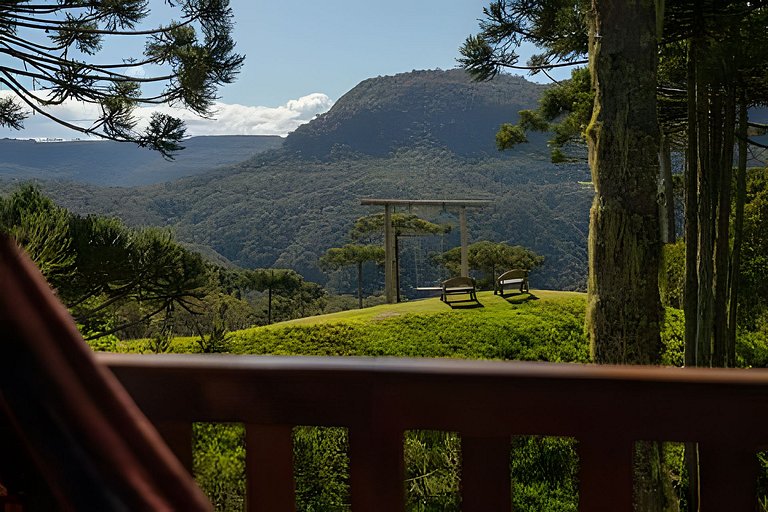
519, 298
465, 304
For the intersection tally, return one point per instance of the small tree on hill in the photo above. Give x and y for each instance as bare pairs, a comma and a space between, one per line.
270, 280
353, 254
50, 53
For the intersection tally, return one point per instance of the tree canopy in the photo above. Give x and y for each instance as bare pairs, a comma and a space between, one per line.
491, 258
557, 27
353, 254
405, 224
51, 53
98, 265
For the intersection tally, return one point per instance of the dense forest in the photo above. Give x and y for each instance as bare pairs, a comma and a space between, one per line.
286, 207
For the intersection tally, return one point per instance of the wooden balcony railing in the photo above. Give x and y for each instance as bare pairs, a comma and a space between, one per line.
606, 409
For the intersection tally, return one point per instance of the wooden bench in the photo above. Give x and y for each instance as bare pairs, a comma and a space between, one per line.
517, 278
459, 286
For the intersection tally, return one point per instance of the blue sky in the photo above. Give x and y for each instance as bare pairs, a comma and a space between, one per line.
297, 48
302, 56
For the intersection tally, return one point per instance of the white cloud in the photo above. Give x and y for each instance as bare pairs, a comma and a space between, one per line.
137, 72
228, 119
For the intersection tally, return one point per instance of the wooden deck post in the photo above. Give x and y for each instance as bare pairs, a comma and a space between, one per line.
269, 468
178, 437
485, 478
605, 474
729, 475
376, 470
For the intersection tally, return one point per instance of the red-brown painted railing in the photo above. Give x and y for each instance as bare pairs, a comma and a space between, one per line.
606, 409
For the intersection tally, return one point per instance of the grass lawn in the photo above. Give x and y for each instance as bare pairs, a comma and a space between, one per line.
492, 304
540, 326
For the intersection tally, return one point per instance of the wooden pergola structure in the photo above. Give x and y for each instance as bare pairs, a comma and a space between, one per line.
390, 266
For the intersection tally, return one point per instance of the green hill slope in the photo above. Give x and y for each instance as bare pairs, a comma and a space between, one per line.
542, 325
545, 326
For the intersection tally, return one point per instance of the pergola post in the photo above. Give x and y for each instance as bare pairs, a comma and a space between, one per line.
390, 257
464, 244
390, 262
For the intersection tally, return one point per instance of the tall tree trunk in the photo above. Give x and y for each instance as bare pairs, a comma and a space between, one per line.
666, 194
738, 232
704, 264
691, 291
623, 308
722, 237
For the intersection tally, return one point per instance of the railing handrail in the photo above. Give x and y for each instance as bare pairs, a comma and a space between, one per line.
403, 365
658, 400
607, 408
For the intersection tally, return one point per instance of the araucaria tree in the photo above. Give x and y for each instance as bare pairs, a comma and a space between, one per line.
624, 307
353, 254
100, 268
50, 53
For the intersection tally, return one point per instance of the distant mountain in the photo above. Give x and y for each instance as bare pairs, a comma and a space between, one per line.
417, 135
110, 163
422, 108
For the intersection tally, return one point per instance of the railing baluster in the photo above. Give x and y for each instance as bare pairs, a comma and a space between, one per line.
376, 470
269, 468
605, 474
485, 479
728, 476
178, 437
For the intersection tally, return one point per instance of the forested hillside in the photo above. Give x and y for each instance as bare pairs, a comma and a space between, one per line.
412, 136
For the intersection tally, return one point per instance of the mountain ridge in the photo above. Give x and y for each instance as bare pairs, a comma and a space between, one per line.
109, 163
441, 108
285, 207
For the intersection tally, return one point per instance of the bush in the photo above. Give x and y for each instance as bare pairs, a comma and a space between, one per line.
432, 462
673, 338
672, 274
219, 464
321, 467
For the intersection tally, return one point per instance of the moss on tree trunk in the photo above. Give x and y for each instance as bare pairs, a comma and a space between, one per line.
624, 308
